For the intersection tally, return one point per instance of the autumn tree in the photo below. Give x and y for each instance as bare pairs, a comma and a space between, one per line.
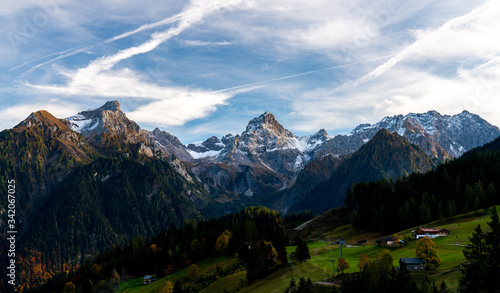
425, 250
69, 288
383, 263
262, 260
222, 242
193, 272
168, 287
342, 265
364, 261
115, 276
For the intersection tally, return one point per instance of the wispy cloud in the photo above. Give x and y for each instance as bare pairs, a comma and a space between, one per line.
448, 40
170, 105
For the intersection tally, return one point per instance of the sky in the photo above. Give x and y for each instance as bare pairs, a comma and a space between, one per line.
206, 67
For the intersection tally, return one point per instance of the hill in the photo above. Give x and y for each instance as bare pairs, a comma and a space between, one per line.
459, 186
386, 155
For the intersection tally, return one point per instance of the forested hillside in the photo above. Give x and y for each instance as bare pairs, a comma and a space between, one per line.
386, 155
256, 234
459, 186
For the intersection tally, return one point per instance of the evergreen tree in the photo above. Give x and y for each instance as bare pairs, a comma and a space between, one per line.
305, 286
302, 250
480, 273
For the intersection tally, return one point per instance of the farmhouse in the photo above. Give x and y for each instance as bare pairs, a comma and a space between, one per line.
149, 279
430, 232
412, 264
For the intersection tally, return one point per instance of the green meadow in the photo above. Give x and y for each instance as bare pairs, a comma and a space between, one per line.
319, 267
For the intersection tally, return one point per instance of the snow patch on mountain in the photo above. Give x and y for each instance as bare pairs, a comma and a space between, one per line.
203, 155
81, 123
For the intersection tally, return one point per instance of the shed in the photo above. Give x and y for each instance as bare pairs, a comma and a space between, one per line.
149, 279
413, 264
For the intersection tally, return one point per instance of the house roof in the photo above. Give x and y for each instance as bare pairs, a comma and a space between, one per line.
431, 229
149, 277
412, 261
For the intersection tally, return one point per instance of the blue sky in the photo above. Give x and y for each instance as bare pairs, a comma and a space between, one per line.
206, 67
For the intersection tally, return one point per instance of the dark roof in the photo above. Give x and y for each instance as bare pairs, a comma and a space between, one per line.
412, 261
430, 230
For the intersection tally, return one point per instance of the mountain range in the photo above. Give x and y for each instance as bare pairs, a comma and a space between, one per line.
102, 165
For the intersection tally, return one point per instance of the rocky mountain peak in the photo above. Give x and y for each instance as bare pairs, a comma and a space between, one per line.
267, 124
108, 118
45, 120
111, 106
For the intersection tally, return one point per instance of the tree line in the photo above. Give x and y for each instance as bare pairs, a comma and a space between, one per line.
458, 186
256, 235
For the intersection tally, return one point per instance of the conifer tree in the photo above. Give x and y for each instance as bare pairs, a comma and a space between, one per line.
480, 273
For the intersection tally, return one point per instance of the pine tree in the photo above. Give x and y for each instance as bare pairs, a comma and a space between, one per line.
480, 273
302, 250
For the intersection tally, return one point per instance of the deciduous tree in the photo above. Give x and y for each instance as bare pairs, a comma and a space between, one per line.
342, 265
364, 261
425, 249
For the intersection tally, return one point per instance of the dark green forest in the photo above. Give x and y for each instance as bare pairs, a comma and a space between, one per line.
386, 155
257, 235
459, 186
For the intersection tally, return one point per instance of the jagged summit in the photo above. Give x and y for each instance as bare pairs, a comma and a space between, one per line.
44, 119
267, 123
111, 106
107, 118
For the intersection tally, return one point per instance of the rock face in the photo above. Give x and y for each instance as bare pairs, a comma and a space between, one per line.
108, 124
440, 136
386, 155
267, 157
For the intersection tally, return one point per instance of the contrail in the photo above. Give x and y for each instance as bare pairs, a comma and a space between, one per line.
165, 21
44, 57
418, 45
302, 74
61, 56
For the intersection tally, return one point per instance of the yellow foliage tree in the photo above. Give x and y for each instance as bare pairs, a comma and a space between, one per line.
222, 241
193, 272
364, 261
384, 261
69, 288
168, 287
425, 249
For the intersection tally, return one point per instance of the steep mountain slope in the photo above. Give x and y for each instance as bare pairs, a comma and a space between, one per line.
268, 158
37, 153
109, 131
263, 159
459, 186
386, 155
315, 172
440, 136
85, 201
109, 201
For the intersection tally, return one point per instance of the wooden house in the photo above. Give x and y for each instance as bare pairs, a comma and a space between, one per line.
149, 279
430, 232
413, 264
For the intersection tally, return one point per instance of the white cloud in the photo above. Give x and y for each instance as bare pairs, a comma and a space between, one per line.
474, 35
12, 115
171, 105
182, 107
